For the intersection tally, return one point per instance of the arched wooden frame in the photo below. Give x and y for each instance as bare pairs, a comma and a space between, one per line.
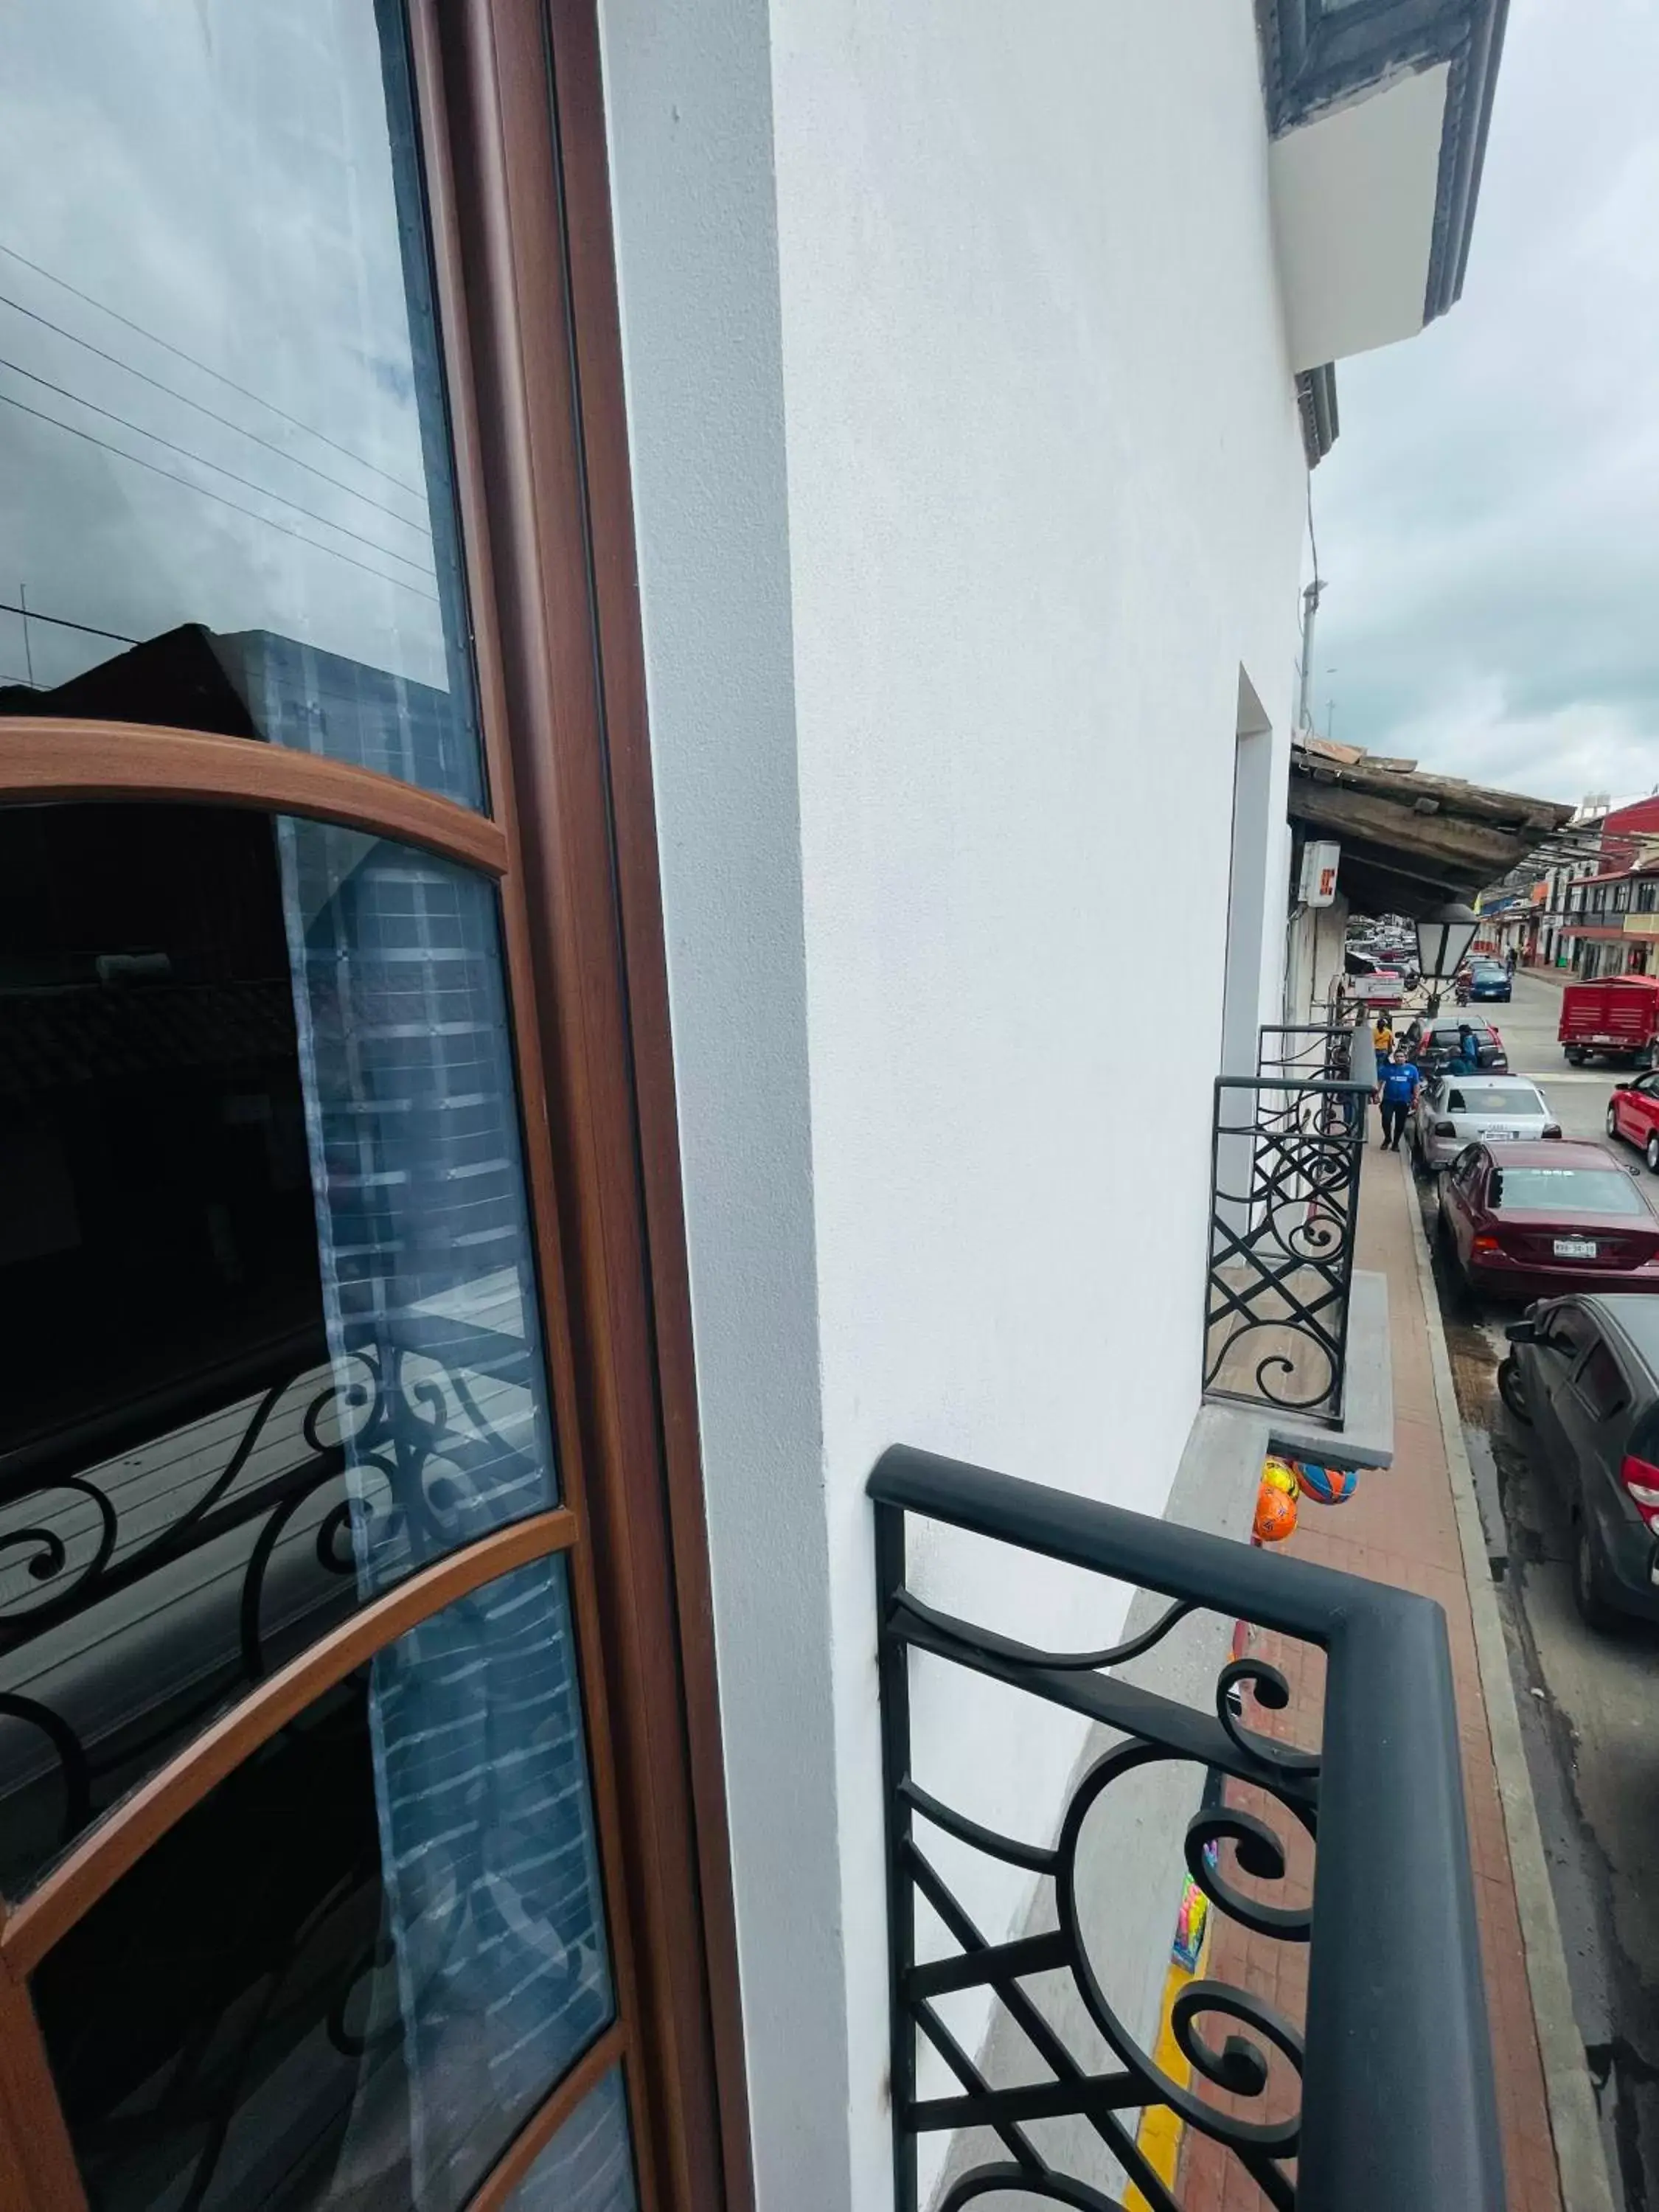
511, 121
44, 760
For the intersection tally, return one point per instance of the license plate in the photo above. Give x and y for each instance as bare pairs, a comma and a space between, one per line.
1503, 1133
1575, 1247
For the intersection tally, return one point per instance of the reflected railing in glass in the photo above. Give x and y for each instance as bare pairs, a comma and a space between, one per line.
266, 1274
350, 1974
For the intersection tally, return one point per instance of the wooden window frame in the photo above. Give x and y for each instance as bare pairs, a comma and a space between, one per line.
511, 114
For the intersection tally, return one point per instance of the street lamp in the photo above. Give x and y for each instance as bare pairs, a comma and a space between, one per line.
1443, 938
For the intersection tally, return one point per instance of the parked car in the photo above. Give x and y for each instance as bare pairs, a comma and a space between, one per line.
1489, 979
1434, 1043
1618, 1018
1582, 1375
1456, 1110
1633, 1113
1537, 1220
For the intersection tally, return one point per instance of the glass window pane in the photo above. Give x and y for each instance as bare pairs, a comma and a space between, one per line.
589, 2165
227, 498
350, 1974
429, 1282
266, 1283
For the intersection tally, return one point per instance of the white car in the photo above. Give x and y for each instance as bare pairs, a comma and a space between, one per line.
1454, 1110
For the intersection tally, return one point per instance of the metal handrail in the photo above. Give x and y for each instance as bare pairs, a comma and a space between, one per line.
1398, 2106
1322, 1053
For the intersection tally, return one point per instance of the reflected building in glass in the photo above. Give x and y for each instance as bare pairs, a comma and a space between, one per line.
268, 1266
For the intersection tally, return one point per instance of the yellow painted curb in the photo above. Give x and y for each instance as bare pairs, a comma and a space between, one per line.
1158, 2136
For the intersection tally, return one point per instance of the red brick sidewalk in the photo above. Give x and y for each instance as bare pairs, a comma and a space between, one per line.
1400, 1528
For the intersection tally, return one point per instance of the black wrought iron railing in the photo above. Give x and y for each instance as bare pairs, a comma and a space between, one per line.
1285, 1160
1318, 1050
1393, 2101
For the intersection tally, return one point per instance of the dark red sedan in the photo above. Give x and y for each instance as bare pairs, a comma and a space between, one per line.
1538, 1220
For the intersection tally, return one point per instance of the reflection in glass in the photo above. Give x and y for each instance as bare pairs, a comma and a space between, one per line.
223, 441
589, 2165
347, 1976
216, 1439
428, 1280
169, 1450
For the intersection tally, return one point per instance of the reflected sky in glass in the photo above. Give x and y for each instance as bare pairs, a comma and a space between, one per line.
220, 402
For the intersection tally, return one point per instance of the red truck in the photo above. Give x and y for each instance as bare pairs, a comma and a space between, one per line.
1618, 1018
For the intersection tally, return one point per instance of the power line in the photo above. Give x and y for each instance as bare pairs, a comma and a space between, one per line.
241, 428
63, 621
166, 343
219, 498
188, 453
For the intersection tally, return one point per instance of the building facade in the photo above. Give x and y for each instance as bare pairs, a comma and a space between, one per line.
1572, 914
1608, 921
644, 751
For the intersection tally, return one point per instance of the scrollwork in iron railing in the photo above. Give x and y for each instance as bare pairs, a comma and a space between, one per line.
1284, 1162
1111, 2103
1317, 1052
1396, 2018
399, 1435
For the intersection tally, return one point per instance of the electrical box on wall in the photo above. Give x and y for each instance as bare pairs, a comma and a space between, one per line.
1319, 867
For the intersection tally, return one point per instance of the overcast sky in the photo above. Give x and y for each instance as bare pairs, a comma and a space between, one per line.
207, 403
1489, 520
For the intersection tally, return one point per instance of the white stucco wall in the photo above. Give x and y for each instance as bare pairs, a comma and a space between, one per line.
1318, 939
968, 479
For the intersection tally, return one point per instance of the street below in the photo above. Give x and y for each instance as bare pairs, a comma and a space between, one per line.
1588, 1709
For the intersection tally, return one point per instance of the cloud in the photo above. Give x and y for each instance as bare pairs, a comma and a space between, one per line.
196, 209
1489, 520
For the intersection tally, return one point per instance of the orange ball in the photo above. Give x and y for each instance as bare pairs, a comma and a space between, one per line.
1275, 1515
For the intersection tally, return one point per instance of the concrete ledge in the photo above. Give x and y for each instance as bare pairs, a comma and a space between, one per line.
1365, 1437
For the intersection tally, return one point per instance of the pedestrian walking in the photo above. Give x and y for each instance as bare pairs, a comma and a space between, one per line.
1402, 1079
1383, 1037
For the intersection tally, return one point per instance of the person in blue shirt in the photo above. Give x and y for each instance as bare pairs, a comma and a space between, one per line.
1402, 1079
1466, 1060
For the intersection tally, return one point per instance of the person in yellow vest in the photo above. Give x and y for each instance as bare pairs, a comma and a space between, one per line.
1382, 1036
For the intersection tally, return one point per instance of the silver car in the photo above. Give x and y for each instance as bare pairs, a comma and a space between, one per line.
1454, 1110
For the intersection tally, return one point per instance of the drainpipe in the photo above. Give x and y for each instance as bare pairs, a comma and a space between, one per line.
1310, 609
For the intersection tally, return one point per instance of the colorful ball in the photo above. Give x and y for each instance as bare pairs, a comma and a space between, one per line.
1327, 1486
1275, 1515
1279, 1474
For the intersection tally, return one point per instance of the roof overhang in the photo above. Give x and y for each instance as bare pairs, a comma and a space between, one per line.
1377, 112
1410, 841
